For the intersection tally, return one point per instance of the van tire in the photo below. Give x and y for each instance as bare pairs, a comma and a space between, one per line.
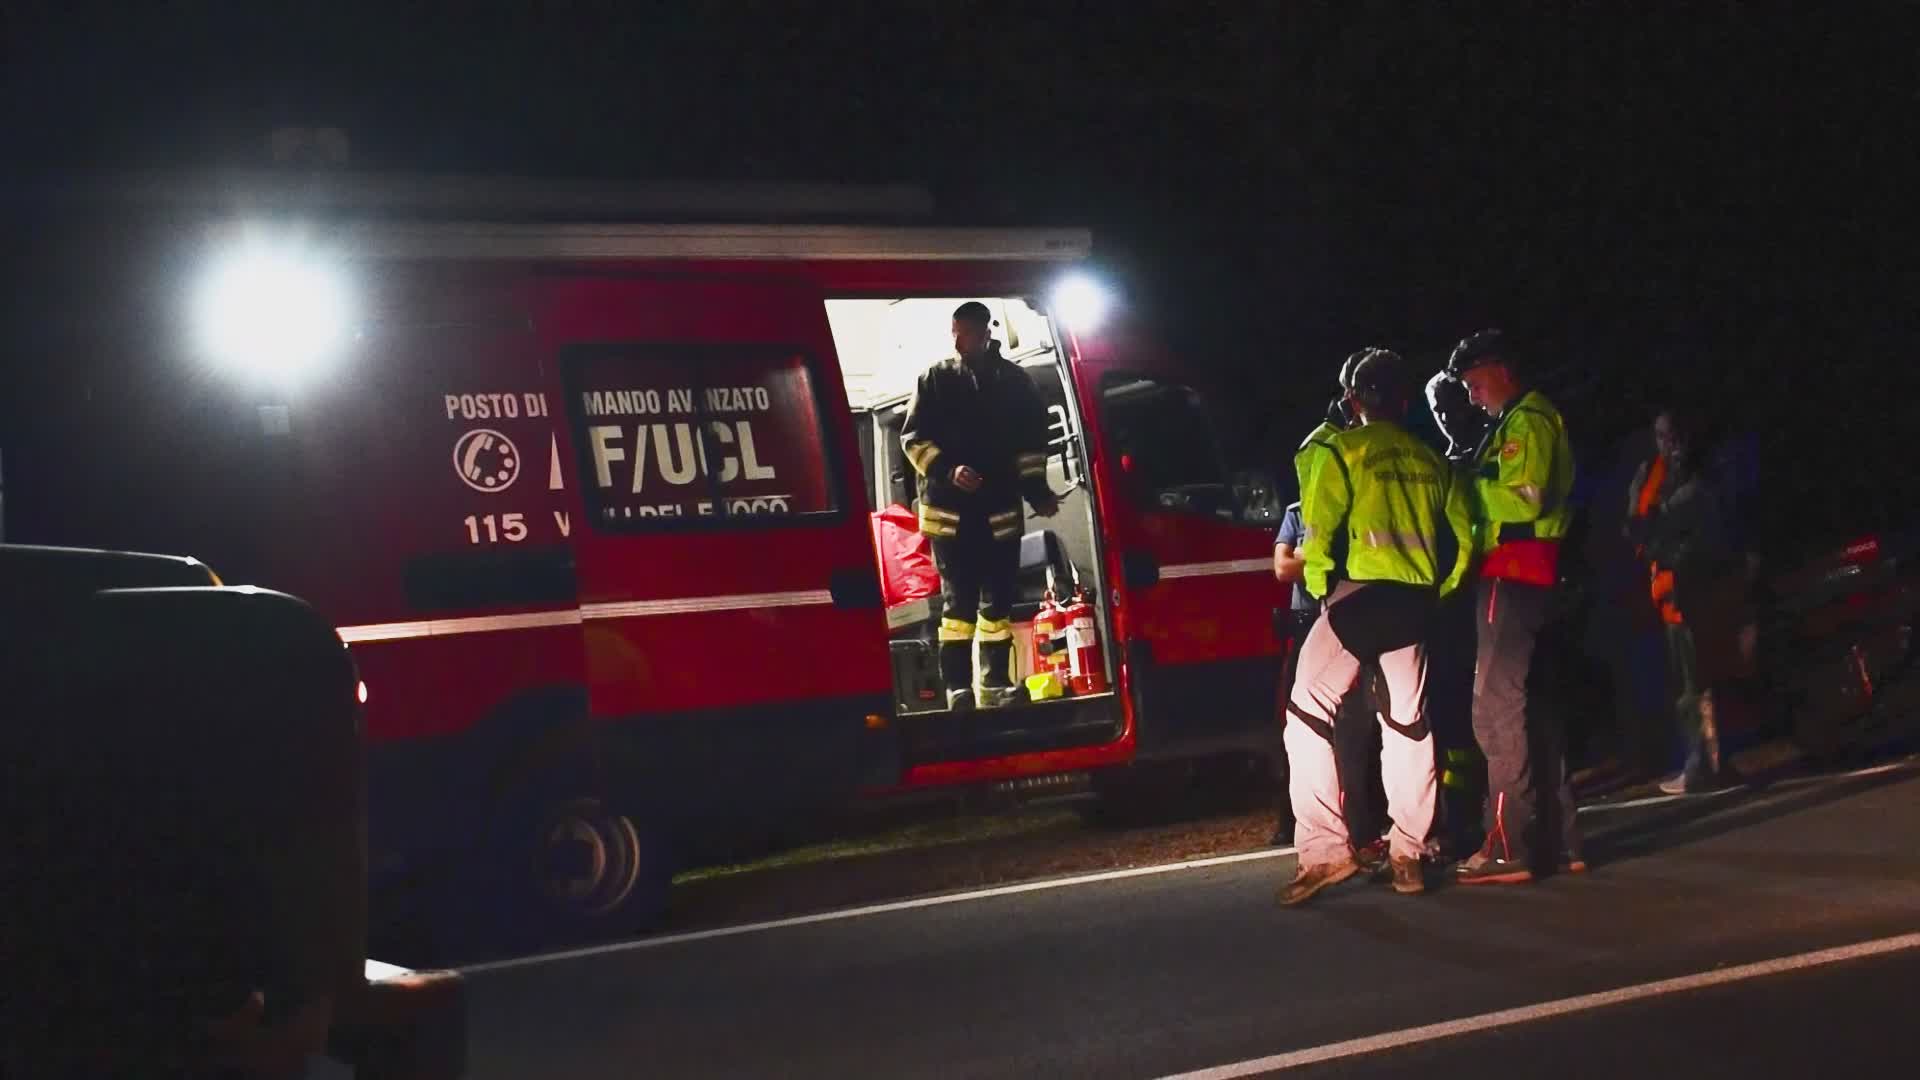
557, 872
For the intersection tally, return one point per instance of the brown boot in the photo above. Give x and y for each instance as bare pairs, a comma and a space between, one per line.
1409, 876
1311, 879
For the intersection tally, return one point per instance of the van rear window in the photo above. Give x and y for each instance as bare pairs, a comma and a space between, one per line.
685, 435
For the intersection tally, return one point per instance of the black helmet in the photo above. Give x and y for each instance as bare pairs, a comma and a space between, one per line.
1346, 369
1477, 349
1446, 391
1380, 379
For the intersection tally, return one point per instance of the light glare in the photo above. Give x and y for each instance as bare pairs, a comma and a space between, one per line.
1082, 302
272, 313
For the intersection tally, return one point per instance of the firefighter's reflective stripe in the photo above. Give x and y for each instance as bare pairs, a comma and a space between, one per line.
1032, 464
920, 454
937, 522
992, 630
956, 630
1005, 525
1387, 538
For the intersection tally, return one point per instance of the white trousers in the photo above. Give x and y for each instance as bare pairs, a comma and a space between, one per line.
1327, 673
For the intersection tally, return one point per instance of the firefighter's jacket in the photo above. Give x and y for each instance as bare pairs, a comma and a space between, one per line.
1523, 479
986, 415
1395, 505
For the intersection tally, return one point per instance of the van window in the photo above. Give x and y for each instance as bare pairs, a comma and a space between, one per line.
691, 435
1163, 439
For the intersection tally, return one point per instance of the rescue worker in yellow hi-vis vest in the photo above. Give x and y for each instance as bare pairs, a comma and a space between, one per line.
976, 433
1407, 532
1356, 742
1522, 480
1339, 418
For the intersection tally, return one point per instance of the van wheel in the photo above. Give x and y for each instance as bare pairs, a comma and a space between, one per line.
568, 872
584, 861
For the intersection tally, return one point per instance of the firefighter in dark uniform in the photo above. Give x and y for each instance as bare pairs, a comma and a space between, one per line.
976, 433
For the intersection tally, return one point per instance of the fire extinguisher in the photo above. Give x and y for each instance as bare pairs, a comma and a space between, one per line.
1087, 665
1049, 652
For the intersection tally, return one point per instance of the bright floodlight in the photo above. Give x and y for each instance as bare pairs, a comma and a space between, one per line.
272, 313
1082, 302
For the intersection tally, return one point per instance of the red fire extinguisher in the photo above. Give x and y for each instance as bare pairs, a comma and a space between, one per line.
1087, 665
1049, 651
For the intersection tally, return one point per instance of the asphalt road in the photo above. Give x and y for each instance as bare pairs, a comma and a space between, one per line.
1197, 969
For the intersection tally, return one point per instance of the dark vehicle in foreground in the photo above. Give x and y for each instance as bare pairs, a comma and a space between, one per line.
184, 892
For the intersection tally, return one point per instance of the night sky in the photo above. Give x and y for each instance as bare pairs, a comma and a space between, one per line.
1707, 198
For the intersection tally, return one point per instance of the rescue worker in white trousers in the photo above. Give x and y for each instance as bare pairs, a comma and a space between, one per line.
1391, 498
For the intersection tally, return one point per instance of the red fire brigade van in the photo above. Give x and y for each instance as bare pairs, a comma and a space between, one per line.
591, 484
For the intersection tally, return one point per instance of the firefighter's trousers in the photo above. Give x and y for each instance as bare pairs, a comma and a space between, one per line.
1525, 752
1388, 623
977, 578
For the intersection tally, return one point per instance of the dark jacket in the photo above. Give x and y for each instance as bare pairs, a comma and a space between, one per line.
988, 416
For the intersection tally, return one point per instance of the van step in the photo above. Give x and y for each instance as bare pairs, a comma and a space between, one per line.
1050, 786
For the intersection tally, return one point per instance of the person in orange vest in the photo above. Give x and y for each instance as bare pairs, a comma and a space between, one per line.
1522, 481
1680, 523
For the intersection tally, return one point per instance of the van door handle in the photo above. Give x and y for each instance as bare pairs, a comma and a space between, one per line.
855, 588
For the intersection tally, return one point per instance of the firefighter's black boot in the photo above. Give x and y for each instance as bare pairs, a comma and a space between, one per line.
956, 673
996, 670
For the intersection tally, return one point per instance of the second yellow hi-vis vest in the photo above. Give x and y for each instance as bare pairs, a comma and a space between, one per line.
1398, 506
1312, 450
1522, 482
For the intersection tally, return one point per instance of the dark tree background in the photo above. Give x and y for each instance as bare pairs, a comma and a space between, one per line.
1706, 199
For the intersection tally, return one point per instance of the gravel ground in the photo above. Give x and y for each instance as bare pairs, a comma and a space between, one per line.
1054, 842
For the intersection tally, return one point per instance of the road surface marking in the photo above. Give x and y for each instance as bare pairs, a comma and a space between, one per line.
1031, 886
1656, 800
873, 909
1788, 784
378, 971
1525, 1014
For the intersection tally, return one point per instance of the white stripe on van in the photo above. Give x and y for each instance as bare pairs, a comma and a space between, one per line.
534, 620
1210, 569
687, 604
479, 624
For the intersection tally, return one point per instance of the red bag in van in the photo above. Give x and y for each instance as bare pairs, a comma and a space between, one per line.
906, 557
